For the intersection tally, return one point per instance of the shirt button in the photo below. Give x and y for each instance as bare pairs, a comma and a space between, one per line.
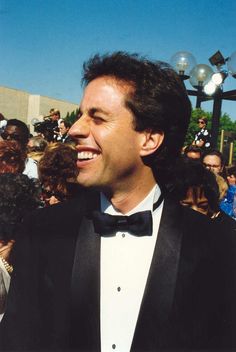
118, 289
113, 346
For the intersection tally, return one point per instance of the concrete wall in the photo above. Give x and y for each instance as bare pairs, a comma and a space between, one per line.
14, 103
25, 106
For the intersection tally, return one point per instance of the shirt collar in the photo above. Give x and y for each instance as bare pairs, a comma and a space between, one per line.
145, 204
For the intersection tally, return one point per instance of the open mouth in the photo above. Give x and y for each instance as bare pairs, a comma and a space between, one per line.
83, 156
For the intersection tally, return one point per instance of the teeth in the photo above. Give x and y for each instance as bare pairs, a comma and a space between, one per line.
87, 155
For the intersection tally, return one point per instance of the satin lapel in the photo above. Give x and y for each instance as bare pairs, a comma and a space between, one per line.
85, 290
161, 283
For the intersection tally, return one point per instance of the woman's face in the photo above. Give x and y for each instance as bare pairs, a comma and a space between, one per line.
196, 200
49, 197
231, 180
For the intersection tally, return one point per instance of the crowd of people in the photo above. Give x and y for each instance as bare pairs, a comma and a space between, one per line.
34, 173
213, 160
110, 237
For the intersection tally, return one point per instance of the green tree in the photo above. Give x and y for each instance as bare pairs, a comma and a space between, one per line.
226, 124
72, 117
193, 126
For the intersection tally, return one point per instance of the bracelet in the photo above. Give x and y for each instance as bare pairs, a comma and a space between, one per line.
8, 267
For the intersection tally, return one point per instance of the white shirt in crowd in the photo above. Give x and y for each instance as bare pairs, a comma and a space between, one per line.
31, 168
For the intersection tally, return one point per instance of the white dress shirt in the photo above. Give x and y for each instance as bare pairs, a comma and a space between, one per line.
125, 264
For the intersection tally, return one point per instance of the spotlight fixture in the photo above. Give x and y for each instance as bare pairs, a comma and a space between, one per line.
217, 59
219, 77
210, 88
207, 81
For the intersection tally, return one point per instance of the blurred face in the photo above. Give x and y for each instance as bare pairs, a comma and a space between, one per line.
194, 155
201, 124
13, 132
108, 146
213, 163
63, 129
54, 117
231, 180
196, 200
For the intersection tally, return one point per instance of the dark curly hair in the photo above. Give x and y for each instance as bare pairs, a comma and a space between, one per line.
157, 99
12, 157
18, 196
57, 167
192, 174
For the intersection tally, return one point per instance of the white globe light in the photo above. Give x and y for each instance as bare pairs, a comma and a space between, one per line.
183, 62
200, 75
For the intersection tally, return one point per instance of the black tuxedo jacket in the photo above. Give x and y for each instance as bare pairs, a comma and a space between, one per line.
54, 298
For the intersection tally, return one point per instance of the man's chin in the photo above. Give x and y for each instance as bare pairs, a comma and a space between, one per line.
86, 182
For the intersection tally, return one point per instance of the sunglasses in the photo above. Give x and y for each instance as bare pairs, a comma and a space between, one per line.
11, 136
201, 122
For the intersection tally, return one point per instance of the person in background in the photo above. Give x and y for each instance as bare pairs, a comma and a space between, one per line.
63, 135
223, 186
18, 131
58, 173
213, 160
36, 147
228, 203
12, 157
196, 187
202, 138
19, 195
193, 152
3, 123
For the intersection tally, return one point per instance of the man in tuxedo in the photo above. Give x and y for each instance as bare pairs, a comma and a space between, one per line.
124, 267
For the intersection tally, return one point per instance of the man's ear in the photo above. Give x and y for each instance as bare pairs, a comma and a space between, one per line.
151, 141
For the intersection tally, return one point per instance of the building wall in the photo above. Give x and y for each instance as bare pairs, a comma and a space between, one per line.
14, 103
25, 106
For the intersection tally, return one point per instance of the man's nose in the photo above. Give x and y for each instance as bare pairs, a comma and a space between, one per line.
80, 128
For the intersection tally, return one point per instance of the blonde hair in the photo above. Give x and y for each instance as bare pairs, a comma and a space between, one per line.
223, 186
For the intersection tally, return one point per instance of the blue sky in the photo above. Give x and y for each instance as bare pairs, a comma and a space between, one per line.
44, 43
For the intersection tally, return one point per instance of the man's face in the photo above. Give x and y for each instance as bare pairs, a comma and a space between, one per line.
54, 117
213, 163
63, 129
13, 132
108, 146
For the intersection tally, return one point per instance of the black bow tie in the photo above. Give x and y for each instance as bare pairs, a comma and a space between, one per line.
138, 224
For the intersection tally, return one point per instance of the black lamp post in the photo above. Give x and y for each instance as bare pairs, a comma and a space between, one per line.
207, 83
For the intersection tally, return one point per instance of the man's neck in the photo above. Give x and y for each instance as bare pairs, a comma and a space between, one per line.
126, 200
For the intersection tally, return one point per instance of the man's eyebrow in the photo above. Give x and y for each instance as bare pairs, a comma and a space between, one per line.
94, 110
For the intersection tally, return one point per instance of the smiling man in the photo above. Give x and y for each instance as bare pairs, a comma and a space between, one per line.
127, 268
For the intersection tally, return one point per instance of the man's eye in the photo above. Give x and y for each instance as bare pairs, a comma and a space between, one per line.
98, 119
79, 115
